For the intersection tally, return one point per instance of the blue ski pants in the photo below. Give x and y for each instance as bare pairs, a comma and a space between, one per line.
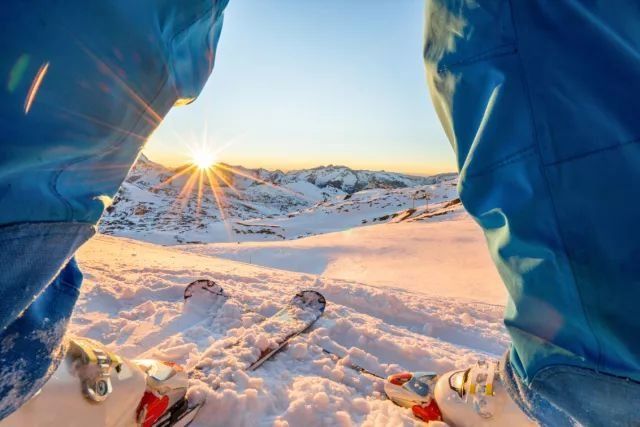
540, 100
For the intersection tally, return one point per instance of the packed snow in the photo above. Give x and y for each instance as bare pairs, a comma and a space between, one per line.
132, 301
432, 258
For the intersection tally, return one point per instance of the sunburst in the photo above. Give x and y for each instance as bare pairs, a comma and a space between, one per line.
203, 175
206, 176
203, 157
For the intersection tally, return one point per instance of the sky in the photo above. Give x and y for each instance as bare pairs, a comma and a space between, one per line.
300, 84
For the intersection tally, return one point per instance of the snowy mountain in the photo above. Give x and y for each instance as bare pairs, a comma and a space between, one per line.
168, 206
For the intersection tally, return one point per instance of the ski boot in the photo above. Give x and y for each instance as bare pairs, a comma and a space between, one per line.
164, 403
415, 391
476, 397
93, 386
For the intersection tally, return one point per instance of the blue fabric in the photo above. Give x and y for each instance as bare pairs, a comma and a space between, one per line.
31, 256
31, 347
580, 396
540, 101
114, 69
83, 84
537, 407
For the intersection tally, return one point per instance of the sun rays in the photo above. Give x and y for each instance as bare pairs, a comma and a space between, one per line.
203, 157
203, 177
207, 177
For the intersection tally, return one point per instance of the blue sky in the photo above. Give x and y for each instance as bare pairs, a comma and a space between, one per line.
302, 83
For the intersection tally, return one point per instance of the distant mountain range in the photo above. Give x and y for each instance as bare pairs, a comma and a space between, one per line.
258, 204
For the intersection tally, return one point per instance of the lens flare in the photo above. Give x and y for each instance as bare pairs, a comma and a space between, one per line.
207, 177
203, 158
35, 85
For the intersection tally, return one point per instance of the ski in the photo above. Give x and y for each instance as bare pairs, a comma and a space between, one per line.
359, 369
304, 309
179, 415
204, 297
202, 294
301, 313
292, 320
203, 288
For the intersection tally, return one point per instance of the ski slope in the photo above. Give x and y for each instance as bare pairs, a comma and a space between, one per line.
132, 301
433, 258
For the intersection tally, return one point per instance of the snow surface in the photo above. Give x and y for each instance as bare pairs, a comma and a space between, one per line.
395, 303
433, 258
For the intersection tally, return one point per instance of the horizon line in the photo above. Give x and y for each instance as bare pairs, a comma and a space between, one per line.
287, 170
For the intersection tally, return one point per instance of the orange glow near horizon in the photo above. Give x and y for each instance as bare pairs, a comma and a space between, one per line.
173, 160
203, 176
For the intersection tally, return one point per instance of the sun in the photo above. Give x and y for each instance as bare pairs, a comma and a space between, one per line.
203, 158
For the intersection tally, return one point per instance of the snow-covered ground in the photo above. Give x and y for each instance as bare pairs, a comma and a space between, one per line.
400, 297
409, 286
447, 259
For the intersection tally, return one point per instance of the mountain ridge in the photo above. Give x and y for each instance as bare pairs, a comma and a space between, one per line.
180, 205
383, 178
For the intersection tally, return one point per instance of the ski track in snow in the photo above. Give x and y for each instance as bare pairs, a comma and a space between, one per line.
132, 301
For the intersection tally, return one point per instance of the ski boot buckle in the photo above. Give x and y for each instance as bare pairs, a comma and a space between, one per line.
95, 368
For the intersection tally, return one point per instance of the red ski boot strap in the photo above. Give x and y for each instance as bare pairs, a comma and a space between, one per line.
151, 408
428, 411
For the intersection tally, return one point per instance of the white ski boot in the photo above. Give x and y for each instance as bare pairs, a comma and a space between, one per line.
476, 397
94, 387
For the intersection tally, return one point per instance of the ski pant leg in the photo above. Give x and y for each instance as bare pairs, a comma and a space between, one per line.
84, 84
31, 346
539, 99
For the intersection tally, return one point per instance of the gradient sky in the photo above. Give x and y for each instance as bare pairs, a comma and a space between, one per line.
303, 83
